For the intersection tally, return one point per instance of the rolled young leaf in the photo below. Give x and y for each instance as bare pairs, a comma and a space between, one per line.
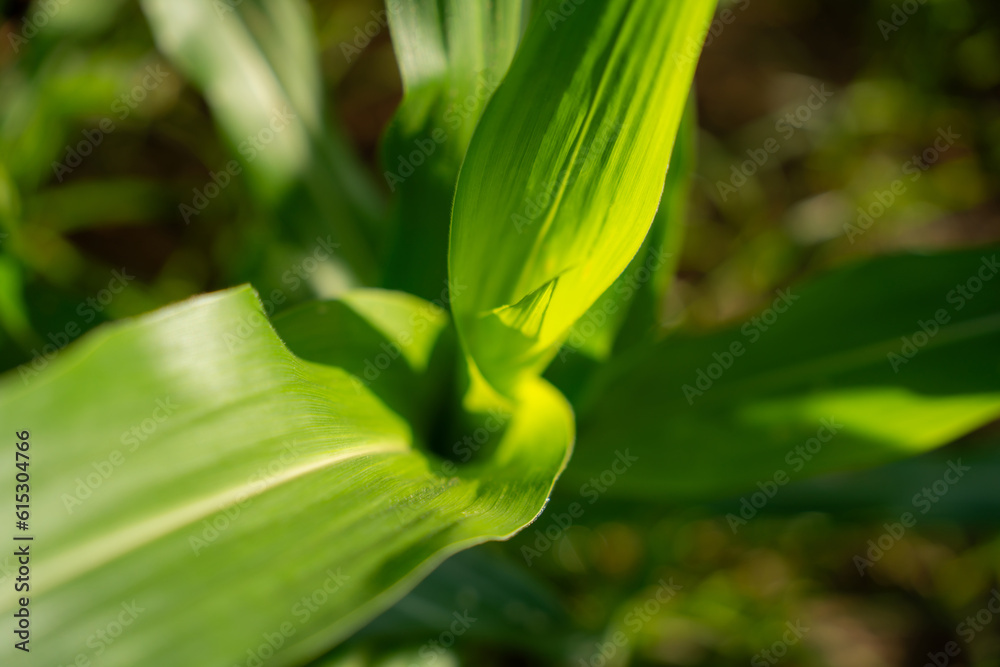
451, 56
201, 496
637, 295
564, 172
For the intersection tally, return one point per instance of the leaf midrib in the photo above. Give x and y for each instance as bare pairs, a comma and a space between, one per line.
106, 548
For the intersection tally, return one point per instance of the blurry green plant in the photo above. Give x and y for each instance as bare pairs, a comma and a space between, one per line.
270, 485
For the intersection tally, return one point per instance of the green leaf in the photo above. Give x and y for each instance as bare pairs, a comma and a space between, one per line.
889, 490
704, 422
452, 56
255, 63
509, 606
649, 274
564, 173
391, 342
187, 470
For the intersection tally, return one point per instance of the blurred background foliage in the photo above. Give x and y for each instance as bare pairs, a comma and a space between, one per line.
893, 84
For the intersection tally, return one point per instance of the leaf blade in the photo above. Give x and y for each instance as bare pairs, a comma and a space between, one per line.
535, 250
272, 480
826, 358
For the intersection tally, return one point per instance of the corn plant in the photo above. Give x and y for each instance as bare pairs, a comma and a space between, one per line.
244, 483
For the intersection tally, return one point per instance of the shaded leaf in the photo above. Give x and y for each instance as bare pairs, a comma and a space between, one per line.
704, 421
391, 342
507, 605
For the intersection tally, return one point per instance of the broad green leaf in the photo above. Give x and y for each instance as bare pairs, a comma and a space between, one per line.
452, 55
191, 477
255, 63
829, 374
564, 172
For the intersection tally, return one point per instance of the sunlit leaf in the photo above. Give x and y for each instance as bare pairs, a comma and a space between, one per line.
564, 172
185, 468
648, 276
